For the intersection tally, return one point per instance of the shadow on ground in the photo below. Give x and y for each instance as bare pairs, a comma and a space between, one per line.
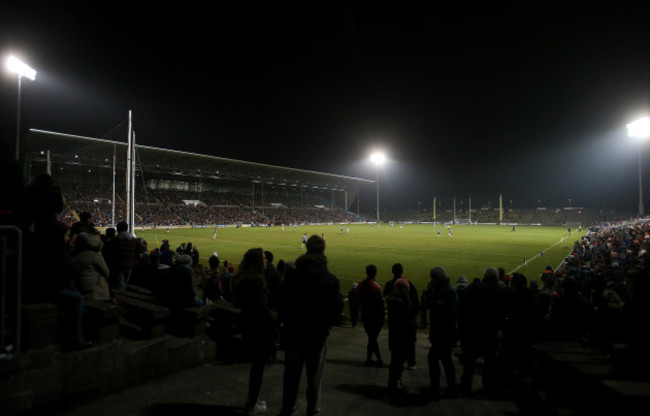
381, 393
166, 409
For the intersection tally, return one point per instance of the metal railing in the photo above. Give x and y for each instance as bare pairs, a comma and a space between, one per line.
10, 289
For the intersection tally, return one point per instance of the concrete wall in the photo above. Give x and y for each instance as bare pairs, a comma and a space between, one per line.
46, 376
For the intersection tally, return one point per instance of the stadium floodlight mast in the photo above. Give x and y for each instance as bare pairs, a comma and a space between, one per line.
641, 130
378, 159
17, 66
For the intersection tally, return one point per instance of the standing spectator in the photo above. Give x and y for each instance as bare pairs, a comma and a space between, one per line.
47, 266
443, 308
371, 307
212, 287
401, 332
140, 273
353, 304
424, 300
482, 313
461, 284
273, 278
121, 256
311, 304
250, 293
398, 271
91, 269
180, 288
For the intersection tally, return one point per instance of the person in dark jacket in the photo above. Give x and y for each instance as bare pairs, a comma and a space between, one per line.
443, 310
482, 312
373, 313
353, 304
251, 295
398, 273
401, 332
310, 305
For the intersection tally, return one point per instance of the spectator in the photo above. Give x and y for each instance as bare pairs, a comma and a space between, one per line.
180, 285
443, 335
273, 278
212, 288
121, 256
461, 284
310, 305
398, 271
49, 277
353, 304
372, 311
84, 225
401, 332
91, 269
481, 315
140, 273
250, 293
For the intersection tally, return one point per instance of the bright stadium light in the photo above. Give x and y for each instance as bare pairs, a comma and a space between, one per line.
640, 129
17, 66
378, 159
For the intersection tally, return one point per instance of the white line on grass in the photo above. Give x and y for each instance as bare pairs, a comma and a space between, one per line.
537, 255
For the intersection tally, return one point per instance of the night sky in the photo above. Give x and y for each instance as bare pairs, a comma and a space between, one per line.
524, 99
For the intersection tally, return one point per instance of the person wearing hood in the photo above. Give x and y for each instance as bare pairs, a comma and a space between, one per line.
310, 305
91, 271
181, 284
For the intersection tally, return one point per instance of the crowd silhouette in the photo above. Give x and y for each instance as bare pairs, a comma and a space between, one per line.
598, 297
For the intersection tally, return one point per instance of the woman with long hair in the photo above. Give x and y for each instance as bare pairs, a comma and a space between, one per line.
251, 295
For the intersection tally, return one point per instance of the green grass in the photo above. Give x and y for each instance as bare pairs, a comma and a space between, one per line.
471, 249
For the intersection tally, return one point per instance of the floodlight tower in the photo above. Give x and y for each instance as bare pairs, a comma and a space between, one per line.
641, 130
378, 159
16, 66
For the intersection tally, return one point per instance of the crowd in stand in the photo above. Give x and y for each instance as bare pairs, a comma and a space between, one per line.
598, 296
158, 207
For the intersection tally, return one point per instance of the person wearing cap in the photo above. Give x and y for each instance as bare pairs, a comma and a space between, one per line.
310, 306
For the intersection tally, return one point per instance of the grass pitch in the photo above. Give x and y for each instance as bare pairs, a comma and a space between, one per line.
418, 247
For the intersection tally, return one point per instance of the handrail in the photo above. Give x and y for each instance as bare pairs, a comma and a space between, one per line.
11, 253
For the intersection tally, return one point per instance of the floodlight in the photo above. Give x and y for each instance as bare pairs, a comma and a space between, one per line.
23, 70
639, 128
378, 158
19, 67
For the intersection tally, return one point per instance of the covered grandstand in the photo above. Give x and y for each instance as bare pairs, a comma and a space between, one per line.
173, 187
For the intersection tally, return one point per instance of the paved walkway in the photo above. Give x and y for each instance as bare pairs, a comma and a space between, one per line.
350, 388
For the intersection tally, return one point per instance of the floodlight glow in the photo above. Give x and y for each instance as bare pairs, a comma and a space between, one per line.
639, 128
378, 158
19, 67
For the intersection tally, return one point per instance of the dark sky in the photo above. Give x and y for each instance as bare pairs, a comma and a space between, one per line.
524, 99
